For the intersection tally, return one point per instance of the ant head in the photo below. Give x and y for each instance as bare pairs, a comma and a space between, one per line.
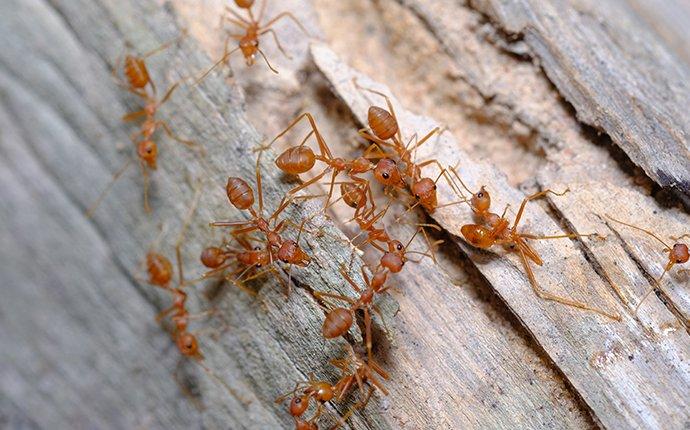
477, 235
382, 123
396, 246
263, 258
244, 4
147, 150
424, 191
481, 200
298, 405
679, 253
392, 261
159, 269
188, 345
249, 45
239, 193
353, 194
291, 253
212, 257
387, 173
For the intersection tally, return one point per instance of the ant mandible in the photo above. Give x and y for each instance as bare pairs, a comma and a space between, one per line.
139, 82
677, 254
499, 231
248, 42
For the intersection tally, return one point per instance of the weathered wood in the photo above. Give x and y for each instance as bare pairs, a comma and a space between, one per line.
65, 112
594, 353
458, 362
605, 59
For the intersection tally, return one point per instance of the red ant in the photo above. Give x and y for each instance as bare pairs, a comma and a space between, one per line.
319, 391
241, 196
384, 126
677, 254
339, 320
248, 43
249, 258
357, 371
139, 83
301, 159
499, 232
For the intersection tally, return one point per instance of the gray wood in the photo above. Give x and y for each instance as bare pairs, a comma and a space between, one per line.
627, 372
617, 63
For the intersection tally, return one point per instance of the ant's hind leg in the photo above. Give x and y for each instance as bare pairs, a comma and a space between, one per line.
545, 295
534, 197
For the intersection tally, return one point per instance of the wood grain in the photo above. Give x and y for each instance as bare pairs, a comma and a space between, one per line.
594, 353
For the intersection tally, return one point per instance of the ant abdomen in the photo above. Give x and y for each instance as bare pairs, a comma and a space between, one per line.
159, 269
213, 257
300, 424
296, 160
478, 235
338, 322
244, 4
239, 193
353, 194
382, 123
136, 72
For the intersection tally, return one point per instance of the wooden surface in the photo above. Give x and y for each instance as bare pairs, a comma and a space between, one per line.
469, 345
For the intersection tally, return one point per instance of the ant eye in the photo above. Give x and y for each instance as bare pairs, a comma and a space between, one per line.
385, 175
258, 265
399, 247
434, 186
416, 196
480, 194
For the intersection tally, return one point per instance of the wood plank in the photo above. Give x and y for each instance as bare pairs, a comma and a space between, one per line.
592, 352
605, 59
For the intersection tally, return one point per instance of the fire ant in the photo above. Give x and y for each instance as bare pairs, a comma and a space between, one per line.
248, 43
356, 370
301, 159
241, 196
320, 391
677, 254
139, 83
383, 125
498, 231
249, 258
339, 320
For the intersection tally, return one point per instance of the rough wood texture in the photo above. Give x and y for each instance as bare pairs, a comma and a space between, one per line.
88, 353
605, 60
598, 356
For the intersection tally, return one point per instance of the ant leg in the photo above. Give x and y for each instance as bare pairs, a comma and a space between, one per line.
367, 332
364, 134
319, 295
133, 115
275, 38
323, 147
116, 176
267, 62
640, 229
223, 58
234, 224
309, 182
286, 15
424, 139
243, 22
166, 45
533, 197
188, 143
650, 290
145, 174
680, 237
164, 313
545, 295
559, 236
183, 230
